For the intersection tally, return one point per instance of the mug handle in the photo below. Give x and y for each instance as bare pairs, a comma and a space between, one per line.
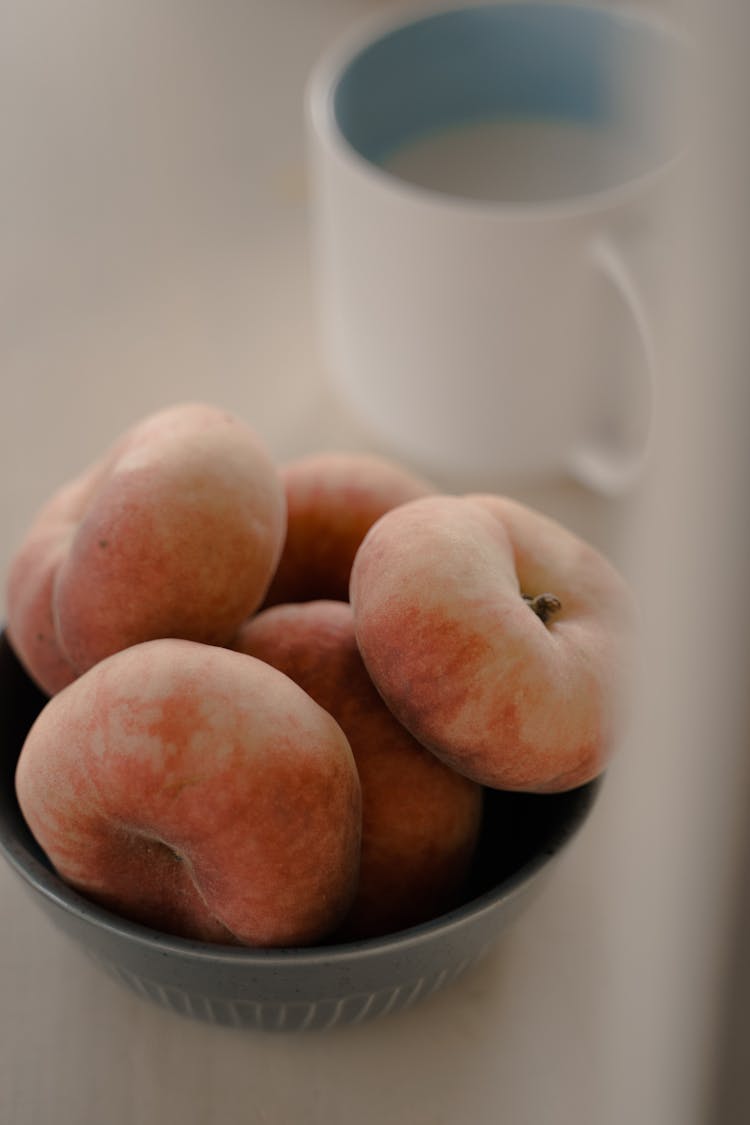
609, 471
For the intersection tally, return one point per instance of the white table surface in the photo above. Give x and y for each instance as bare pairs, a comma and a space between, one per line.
155, 250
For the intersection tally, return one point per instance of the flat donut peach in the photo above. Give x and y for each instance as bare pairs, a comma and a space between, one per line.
332, 501
31, 577
176, 532
516, 695
198, 791
420, 819
31, 626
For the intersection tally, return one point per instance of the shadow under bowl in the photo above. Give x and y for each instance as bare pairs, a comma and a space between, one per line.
293, 989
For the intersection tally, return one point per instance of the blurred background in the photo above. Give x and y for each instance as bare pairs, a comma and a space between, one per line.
154, 248
154, 217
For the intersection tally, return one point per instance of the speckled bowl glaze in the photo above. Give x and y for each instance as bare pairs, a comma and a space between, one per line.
293, 989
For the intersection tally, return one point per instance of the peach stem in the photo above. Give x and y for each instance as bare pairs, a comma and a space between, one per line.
543, 605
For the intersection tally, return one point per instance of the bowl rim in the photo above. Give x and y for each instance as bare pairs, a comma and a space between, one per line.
42, 879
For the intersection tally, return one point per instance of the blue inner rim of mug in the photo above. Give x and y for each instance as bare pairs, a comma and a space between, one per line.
458, 67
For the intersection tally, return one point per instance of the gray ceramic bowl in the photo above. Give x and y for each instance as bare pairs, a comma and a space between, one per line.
292, 989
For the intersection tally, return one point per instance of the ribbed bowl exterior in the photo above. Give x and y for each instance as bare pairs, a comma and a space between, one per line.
290, 1016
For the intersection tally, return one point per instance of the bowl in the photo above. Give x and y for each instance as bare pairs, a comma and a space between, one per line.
293, 989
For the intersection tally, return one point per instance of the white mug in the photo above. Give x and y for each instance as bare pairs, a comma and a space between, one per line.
480, 176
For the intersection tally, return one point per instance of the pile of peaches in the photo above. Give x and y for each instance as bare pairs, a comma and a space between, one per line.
277, 694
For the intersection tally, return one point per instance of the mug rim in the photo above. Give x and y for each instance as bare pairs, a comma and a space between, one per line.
327, 73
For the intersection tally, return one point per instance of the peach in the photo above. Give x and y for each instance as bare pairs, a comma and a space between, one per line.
31, 627
499, 638
420, 819
175, 533
332, 501
198, 791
